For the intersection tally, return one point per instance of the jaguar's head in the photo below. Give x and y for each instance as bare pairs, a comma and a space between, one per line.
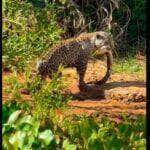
102, 40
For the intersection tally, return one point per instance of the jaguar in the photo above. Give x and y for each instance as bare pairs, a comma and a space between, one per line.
76, 52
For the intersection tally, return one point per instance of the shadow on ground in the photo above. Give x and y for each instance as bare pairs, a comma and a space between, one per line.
115, 84
98, 92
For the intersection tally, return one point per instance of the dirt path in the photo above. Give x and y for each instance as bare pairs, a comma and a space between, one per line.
122, 94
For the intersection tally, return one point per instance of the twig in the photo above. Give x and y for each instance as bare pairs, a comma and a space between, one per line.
125, 26
83, 28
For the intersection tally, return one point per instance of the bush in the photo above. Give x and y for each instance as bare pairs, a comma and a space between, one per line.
28, 31
48, 97
25, 131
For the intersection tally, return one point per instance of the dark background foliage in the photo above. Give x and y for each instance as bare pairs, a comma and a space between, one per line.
94, 15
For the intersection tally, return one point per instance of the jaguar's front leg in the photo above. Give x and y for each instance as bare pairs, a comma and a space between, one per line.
81, 69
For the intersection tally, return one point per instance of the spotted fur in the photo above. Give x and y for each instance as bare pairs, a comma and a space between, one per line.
75, 52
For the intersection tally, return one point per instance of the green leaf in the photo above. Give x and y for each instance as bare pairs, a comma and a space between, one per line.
122, 128
6, 144
27, 119
46, 136
68, 146
18, 139
7, 128
5, 114
115, 143
25, 127
29, 123
14, 116
94, 143
102, 132
31, 140
140, 144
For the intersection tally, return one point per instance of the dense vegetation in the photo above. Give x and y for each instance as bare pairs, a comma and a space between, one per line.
27, 132
26, 23
30, 28
38, 125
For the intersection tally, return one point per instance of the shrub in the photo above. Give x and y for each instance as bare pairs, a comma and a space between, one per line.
28, 31
23, 131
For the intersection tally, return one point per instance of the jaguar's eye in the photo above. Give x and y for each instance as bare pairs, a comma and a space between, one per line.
99, 36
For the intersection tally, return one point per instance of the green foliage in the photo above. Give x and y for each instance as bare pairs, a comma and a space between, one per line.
68, 146
137, 24
10, 107
89, 134
128, 65
13, 87
28, 31
24, 131
133, 39
47, 96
